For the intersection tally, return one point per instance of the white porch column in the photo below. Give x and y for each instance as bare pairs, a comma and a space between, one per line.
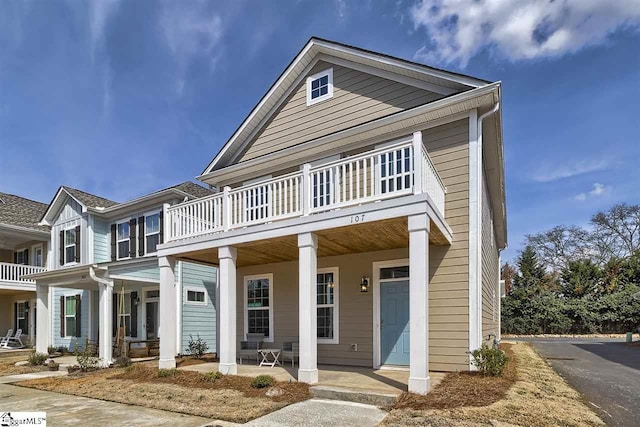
169, 312
419, 381
308, 270
227, 309
105, 323
43, 331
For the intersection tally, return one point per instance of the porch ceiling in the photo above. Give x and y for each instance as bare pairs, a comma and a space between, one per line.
358, 238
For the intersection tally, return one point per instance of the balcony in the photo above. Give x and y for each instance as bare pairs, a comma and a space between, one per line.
12, 273
385, 173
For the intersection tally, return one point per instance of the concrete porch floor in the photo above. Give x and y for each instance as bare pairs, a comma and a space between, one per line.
359, 379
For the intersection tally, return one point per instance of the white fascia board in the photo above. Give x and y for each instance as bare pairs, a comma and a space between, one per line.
13, 286
141, 203
31, 233
54, 208
394, 208
288, 157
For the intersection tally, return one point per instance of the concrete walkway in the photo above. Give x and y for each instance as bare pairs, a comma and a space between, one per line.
8, 379
321, 413
66, 410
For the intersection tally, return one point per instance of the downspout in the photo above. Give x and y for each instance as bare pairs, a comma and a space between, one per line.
480, 189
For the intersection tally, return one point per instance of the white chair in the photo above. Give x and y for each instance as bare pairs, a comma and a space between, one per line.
5, 338
15, 339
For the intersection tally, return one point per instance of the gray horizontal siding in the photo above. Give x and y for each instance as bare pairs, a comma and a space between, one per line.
101, 250
199, 320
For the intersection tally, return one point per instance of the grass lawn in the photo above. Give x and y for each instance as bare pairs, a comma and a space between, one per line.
230, 398
530, 393
8, 366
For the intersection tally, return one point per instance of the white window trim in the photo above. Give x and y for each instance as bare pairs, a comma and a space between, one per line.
21, 250
328, 72
128, 239
335, 305
34, 248
18, 318
195, 289
66, 315
271, 303
64, 243
146, 252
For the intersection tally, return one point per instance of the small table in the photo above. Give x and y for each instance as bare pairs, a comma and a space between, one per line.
268, 354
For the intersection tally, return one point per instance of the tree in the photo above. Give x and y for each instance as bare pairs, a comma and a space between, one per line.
507, 273
532, 274
560, 245
617, 231
580, 278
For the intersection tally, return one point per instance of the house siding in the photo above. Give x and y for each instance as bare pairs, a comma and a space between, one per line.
101, 242
199, 320
146, 270
70, 342
70, 216
490, 273
448, 147
357, 98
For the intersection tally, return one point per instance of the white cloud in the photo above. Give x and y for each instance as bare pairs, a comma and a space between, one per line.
596, 191
517, 30
568, 170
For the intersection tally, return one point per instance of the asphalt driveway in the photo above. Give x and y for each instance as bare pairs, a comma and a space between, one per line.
605, 371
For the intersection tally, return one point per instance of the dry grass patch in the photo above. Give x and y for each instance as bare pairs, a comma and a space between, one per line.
537, 397
229, 398
8, 366
189, 361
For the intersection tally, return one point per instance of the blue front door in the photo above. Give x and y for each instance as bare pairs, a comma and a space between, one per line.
394, 323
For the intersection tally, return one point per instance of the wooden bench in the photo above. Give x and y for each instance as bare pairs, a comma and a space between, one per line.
144, 348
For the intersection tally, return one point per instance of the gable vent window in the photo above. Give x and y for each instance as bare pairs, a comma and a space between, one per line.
320, 86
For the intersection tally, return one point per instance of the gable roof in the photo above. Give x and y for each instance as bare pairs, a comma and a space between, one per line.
20, 212
437, 80
101, 205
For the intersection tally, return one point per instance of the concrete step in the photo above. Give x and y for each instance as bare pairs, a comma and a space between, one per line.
354, 395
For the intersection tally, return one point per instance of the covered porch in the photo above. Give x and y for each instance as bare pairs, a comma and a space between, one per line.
290, 264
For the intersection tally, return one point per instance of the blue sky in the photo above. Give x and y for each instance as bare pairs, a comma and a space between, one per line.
121, 98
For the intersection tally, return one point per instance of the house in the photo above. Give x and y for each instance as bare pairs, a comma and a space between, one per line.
23, 250
360, 211
103, 273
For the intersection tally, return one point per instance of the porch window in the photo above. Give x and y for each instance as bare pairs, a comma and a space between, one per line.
69, 245
70, 316
327, 301
22, 257
195, 296
152, 232
258, 305
22, 312
123, 240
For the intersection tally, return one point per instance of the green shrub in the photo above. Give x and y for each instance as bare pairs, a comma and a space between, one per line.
122, 362
263, 381
166, 373
213, 376
489, 361
37, 359
197, 347
86, 359
51, 349
63, 350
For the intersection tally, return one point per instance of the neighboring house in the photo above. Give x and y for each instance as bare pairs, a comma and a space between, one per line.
103, 272
360, 211
23, 250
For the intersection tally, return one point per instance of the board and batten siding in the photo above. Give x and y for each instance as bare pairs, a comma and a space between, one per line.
490, 273
448, 147
101, 243
70, 342
199, 320
69, 216
358, 98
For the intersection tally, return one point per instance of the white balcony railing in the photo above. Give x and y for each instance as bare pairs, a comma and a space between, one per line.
14, 272
375, 175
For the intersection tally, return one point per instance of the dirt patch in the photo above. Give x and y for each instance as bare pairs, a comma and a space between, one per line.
230, 398
538, 397
8, 366
189, 361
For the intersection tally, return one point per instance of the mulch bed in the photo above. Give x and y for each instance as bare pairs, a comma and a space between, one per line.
189, 361
464, 389
291, 392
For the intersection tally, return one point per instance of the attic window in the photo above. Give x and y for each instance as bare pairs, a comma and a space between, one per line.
320, 86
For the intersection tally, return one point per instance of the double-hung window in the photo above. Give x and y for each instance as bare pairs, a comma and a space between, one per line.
122, 241
152, 232
22, 257
258, 299
70, 316
22, 313
70, 245
327, 301
320, 86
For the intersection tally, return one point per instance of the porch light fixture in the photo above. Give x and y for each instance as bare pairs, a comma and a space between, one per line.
364, 284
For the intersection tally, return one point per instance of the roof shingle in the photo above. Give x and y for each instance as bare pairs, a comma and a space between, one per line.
21, 212
88, 199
